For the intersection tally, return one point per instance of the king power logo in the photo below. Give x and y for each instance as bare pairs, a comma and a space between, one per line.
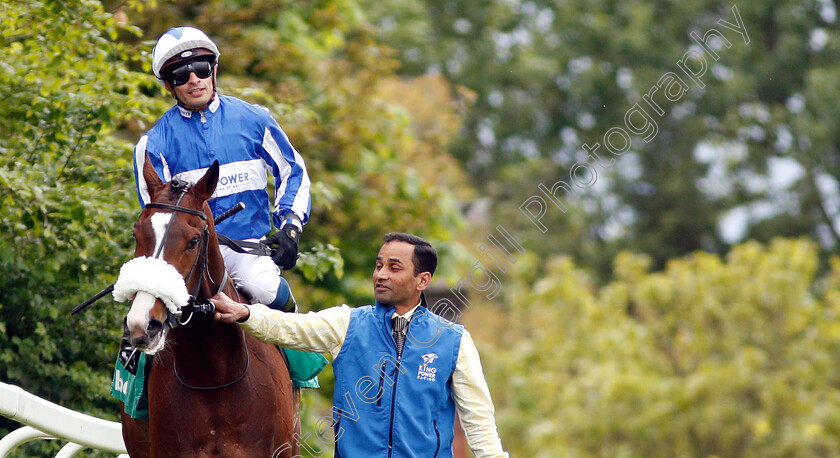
425, 372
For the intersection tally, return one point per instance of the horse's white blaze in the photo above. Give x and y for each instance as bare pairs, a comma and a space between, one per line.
159, 223
141, 307
138, 319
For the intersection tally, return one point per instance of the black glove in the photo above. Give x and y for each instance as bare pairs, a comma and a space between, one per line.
286, 242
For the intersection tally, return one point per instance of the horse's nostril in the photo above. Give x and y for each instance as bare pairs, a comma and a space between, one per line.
154, 327
139, 342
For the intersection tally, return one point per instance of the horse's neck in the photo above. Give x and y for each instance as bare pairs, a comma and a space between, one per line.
205, 343
207, 340
209, 350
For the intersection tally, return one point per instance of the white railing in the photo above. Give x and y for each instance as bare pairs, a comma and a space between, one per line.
46, 420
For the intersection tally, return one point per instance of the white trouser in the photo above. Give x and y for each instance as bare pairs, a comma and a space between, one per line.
257, 275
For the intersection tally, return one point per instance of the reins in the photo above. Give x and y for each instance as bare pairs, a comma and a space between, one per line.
225, 385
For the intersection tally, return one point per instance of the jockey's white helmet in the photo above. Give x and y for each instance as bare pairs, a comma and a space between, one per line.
178, 40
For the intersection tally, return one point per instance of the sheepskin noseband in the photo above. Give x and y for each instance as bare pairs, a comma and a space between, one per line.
154, 276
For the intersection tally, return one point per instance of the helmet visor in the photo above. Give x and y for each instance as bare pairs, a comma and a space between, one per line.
178, 74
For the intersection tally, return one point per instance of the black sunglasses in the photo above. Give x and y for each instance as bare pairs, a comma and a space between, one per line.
179, 75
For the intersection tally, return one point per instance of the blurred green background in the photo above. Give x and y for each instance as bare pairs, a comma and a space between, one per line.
674, 293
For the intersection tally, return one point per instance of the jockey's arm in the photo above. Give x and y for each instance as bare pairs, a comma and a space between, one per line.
292, 185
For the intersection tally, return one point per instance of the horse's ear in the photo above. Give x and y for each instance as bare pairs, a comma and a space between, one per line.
207, 184
153, 181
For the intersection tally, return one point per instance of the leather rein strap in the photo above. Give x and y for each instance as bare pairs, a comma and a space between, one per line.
177, 208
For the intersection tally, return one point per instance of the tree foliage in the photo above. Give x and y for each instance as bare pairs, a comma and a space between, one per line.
65, 187
65, 196
709, 357
747, 151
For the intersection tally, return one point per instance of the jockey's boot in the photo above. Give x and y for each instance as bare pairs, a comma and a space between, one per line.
285, 301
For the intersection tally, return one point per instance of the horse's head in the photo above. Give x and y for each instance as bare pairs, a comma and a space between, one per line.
172, 236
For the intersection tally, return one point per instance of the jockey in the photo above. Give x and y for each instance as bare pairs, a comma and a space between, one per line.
205, 126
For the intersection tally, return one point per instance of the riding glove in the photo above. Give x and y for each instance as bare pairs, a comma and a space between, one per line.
286, 240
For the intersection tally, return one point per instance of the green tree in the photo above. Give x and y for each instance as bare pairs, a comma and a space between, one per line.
65, 192
708, 357
754, 143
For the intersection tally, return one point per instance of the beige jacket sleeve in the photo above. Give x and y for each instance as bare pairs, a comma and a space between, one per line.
472, 399
325, 331
322, 332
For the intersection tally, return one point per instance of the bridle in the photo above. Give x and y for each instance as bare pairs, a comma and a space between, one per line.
199, 264
199, 267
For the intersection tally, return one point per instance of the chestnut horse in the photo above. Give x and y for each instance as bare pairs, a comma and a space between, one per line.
213, 390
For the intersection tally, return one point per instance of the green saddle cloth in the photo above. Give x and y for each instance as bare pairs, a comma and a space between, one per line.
304, 367
131, 388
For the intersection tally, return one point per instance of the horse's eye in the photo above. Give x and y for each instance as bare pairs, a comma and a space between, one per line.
193, 243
